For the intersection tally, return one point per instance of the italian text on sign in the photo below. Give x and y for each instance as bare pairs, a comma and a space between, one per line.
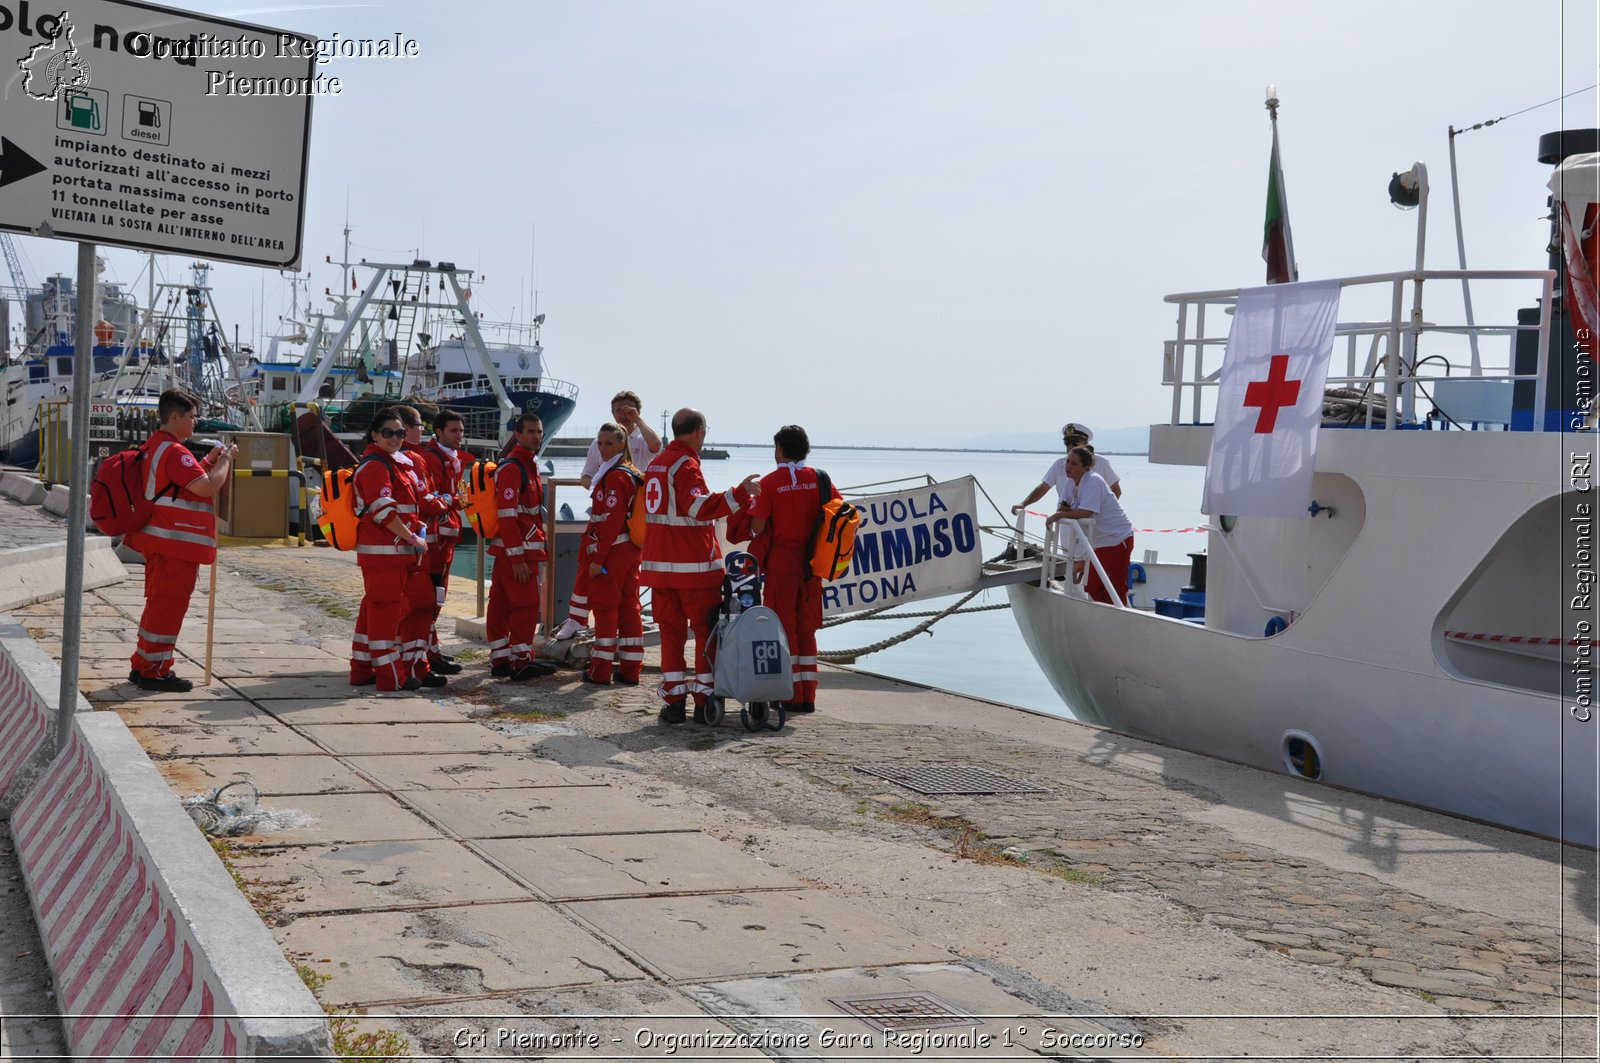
126, 124
921, 543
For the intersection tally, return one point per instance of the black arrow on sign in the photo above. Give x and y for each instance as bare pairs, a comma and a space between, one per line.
16, 164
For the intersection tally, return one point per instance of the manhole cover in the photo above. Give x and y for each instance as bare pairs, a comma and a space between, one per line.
904, 1011
950, 779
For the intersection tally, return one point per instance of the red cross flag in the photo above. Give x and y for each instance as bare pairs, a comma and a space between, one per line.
1269, 400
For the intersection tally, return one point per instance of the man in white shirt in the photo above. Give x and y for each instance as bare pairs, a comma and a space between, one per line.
643, 442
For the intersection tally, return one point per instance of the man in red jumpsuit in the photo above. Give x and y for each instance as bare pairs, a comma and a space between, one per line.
181, 536
442, 462
784, 520
513, 613
682, 562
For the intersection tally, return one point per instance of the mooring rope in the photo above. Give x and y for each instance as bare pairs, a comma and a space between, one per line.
912, 632
879, 614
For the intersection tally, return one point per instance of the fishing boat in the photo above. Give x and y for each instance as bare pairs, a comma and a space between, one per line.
1424, 631
174, 341
376, 346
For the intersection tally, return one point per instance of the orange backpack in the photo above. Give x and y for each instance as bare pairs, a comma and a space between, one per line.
834, 540
337, 514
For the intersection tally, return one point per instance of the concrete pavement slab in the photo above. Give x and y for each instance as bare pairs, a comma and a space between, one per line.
316, 685
377, 875
245, 739
313, 657
737, 935
117, 688
273, 776
923, 1011
441, 952
386, 709
229, 666
470, 771
336, 819
624, 865
548, 812
179, 713
356, 739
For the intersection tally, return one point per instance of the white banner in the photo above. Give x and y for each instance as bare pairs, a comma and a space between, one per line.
1269, 400
919, 543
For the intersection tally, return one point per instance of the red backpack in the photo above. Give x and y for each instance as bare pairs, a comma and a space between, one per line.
118, 504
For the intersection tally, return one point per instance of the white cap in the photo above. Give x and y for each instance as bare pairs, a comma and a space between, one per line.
1071, 428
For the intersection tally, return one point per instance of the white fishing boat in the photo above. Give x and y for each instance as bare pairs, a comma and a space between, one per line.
177, 340
378, 345
1425, 630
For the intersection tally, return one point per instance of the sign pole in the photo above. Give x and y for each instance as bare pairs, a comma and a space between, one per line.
78, 488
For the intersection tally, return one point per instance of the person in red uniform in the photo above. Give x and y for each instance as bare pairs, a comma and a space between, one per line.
518, 549
682, 562
643, 444
783, 519
181, 536
446, 463
417, 624
389, 549
611, 560
434, 503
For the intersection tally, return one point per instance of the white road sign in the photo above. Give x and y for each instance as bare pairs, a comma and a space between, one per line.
147, 127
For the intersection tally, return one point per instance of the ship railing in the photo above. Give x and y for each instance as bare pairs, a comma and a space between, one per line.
1389, 360
1066, 546
479, 384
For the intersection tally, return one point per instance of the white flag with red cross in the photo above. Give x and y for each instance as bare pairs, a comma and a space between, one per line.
1269, 400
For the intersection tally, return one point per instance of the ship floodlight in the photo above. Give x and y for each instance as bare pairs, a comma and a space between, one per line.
1405, 190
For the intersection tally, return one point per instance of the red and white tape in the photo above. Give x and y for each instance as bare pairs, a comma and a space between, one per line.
1516, 640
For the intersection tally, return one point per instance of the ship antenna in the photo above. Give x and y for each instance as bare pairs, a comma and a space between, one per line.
1455, 201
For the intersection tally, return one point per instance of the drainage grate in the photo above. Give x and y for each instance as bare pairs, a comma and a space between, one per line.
950, 779
904, 1011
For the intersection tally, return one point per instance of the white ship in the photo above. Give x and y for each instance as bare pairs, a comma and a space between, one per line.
1426, 632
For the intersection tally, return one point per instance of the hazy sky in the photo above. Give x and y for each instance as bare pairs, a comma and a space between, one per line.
905, 221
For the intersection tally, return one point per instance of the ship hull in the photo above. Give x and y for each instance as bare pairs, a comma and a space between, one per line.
1385, 669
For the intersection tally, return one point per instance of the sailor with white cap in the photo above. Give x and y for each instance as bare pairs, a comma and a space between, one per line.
1073, 434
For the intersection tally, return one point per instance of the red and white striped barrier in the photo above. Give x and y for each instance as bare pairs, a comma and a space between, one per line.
154, 953
24, 716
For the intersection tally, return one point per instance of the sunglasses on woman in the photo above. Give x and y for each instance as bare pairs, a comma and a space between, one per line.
392, 433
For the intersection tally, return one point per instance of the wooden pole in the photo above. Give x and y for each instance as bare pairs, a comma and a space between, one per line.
211, 616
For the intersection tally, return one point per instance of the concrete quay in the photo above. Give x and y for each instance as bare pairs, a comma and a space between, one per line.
540, 870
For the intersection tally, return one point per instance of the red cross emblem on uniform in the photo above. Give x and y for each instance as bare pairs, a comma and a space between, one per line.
652, 495
1272, 394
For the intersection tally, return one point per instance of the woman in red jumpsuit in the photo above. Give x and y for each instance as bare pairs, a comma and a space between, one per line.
612, 562
389, 550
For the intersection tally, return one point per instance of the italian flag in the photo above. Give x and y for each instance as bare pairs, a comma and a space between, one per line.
1277, 247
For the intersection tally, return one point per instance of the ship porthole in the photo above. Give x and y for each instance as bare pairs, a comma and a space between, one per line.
1302, 755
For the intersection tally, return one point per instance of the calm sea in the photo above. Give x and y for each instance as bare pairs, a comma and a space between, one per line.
974, 653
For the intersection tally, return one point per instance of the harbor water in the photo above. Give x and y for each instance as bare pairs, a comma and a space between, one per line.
978, 653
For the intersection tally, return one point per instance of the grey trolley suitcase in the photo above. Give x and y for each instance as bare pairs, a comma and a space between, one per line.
752, 663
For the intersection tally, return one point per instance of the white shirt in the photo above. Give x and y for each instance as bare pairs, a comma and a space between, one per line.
1111, 524
638, 450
